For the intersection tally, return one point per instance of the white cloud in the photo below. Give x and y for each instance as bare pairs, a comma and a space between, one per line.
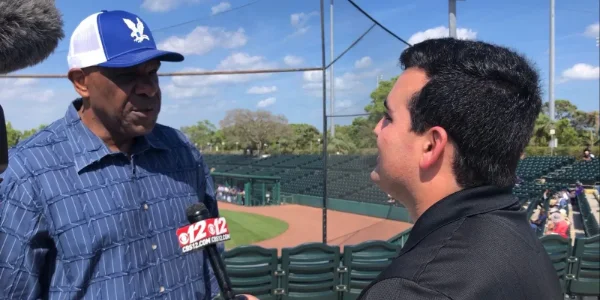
593, 30
364, 62
244, 61
176, 91
199, 86
440, 32
203, 39
221, 7
581, 72
348, 82
343, 104
24, 89
299, 22
266, 102
292, 60
27, 102
165, 5
260, 90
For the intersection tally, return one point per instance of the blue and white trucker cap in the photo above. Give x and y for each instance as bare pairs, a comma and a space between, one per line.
114, 39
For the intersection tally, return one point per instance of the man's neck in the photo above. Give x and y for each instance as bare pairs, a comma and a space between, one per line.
92, 122
431, 194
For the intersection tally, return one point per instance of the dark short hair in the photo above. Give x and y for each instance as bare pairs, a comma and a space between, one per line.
485, 96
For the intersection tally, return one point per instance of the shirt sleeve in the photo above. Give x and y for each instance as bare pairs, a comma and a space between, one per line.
400, 289
24, 238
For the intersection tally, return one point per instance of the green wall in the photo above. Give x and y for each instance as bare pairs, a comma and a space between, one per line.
361, 208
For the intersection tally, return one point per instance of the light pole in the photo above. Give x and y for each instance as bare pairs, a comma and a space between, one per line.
331, 78
452, 18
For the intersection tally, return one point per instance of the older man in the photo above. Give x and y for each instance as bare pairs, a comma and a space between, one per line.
89, 206
457, 121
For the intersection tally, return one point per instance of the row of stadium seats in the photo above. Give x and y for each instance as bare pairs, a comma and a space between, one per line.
321, 272
535, 166
348, 175
336, 162
590, 223
588, 172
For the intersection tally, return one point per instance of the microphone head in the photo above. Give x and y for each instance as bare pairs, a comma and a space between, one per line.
197, 212
29, 32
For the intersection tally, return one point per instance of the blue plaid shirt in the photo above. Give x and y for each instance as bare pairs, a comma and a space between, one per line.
80, 222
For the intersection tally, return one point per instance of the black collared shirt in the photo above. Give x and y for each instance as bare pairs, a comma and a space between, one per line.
474, 244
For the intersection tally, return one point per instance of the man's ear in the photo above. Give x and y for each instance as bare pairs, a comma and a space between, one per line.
435, 140
80, 82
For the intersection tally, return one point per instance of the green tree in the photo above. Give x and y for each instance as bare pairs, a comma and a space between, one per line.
254, 128
360, 133
200, 134
30, 132
541, 131
13, 136
304, 137
566, 134
563, 109
378, 96
341, 144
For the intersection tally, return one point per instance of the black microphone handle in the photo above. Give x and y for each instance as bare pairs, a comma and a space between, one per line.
220, 272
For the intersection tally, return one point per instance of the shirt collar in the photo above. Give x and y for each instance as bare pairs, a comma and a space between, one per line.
89, 148
462, 204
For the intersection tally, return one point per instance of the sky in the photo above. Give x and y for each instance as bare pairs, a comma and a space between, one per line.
270, 34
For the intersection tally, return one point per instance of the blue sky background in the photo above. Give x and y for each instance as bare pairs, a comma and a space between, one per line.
282, 34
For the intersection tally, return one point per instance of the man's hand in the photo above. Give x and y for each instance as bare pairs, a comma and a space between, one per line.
245, 297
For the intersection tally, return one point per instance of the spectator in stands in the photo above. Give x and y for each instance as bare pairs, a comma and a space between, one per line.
563, 201
540, 220
545, 198
559, 224
390, 199
579, 189
587, 154
456, 123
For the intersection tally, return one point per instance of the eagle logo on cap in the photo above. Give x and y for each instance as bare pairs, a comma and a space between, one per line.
137, 31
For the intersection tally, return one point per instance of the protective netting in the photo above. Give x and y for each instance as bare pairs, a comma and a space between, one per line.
251, 97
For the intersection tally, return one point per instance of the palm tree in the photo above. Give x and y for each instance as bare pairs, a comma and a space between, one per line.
541, 131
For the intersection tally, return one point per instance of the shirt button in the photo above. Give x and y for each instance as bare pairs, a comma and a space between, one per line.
146, 206
162, 289
154, 247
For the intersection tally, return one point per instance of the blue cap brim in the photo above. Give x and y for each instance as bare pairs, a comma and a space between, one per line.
140, 56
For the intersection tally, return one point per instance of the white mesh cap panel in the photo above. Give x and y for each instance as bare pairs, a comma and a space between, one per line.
85, 47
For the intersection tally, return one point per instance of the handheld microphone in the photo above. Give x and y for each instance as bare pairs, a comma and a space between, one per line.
204, 232
29, 32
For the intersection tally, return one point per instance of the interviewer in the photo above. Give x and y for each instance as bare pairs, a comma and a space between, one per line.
457, 121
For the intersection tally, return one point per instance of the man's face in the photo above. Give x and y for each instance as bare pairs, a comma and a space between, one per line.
399, 150
126, 100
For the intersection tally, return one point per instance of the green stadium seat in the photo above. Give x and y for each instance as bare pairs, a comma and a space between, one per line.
310, 272
363, 263
251, 270
559, 250
584, 279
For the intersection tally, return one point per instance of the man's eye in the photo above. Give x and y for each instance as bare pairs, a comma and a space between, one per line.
126, 77
387, 116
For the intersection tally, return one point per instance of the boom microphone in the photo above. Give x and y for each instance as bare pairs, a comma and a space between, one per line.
204, 232
29, 32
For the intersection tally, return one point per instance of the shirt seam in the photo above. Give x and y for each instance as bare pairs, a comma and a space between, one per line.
450, 236
420, 285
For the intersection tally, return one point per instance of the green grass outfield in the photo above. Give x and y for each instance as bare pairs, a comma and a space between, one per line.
247, 228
